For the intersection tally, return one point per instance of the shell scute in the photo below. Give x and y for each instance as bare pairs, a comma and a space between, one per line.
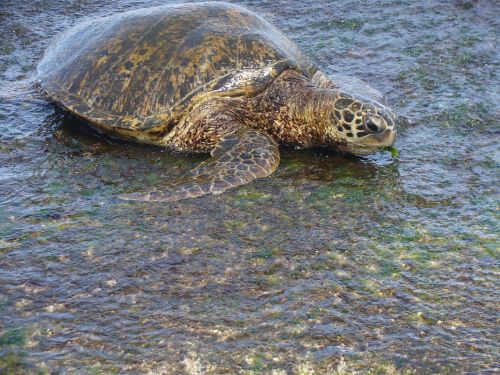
143, 69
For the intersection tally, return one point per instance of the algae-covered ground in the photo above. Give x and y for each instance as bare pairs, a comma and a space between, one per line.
335, 265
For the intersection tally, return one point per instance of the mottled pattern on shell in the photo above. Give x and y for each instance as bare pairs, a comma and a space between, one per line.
143, 69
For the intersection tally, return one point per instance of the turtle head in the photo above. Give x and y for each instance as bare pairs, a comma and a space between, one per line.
358, 122
360, 125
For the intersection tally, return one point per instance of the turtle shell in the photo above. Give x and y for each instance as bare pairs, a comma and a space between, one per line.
144, 69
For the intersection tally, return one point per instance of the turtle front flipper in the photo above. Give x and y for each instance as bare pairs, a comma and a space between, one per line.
238, 159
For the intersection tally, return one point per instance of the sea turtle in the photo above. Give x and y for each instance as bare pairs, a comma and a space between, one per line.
209, 77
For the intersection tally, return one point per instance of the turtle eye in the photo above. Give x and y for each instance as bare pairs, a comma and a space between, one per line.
373, 124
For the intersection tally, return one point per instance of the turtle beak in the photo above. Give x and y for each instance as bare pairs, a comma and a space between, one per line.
384, 139
373, 143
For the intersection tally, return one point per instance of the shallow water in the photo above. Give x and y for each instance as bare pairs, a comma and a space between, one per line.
333, 264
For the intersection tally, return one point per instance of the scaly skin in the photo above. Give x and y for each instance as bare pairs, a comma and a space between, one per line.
238, 159
295, 111
243, 133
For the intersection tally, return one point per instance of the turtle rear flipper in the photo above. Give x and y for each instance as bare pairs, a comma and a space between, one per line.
238, 159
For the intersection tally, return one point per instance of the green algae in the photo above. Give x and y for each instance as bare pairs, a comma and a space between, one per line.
6, 49
12, 364
392, 150
13, 355
14, 337
267, 253
340, 23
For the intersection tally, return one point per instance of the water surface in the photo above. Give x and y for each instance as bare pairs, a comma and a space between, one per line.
334, 265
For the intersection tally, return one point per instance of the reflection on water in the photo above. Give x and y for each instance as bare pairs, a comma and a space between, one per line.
334, 264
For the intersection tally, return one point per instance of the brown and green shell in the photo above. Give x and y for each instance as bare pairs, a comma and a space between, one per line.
144, 69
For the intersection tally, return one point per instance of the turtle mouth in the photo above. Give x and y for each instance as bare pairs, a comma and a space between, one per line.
384, 139
372, 142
